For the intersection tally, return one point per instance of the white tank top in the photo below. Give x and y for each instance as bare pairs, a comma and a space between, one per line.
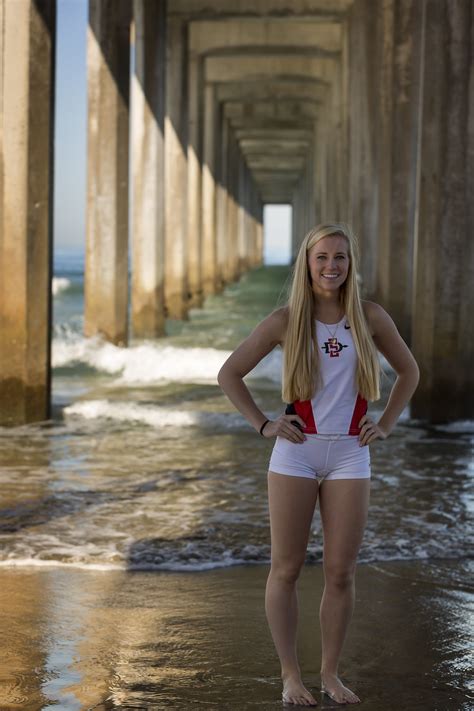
336, 407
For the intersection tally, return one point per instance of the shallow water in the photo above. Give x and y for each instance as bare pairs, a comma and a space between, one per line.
134, 532
152, 465
159, 640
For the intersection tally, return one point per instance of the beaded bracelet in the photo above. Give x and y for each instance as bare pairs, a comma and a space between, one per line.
261, 428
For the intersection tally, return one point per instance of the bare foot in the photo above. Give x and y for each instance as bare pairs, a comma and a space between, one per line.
335, 689
295, 693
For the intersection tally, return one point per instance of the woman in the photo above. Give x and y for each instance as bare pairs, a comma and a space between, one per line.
330, 370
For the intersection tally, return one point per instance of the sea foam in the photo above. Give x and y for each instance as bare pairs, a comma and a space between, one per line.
59, 284
152, 362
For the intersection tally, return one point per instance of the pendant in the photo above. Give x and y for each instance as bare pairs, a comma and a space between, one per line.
333, 341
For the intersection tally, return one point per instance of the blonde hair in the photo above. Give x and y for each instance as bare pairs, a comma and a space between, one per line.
301, 372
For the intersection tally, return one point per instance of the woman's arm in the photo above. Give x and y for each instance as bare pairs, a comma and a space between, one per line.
390, 343
263, 339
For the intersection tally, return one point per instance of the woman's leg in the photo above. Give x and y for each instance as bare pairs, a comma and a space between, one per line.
344, 506
291, 500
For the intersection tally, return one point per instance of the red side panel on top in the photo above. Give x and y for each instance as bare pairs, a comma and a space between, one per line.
360, 408
305, 411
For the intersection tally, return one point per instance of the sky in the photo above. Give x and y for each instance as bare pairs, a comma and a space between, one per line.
71, 144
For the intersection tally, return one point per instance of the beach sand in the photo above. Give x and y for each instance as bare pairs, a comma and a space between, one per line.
82, 639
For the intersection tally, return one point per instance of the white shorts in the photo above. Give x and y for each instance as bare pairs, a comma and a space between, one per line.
322, 456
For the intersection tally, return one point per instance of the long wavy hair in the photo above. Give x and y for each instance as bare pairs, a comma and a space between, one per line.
301, 371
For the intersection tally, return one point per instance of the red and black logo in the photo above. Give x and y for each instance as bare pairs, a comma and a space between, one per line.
332, 347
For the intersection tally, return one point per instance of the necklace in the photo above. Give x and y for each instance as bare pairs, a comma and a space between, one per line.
333, 338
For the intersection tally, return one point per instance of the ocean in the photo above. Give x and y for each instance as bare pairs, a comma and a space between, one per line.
146, 465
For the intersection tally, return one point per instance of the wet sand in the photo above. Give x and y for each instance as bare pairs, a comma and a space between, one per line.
82, 639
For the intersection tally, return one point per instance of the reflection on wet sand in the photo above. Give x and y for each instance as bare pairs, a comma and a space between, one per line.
22, 603
109, 640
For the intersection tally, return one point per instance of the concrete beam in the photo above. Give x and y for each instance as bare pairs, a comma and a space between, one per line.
281, 9
26, 170
211, 37
272, 89
290, 134
261, 67
275, 162
292, 147
291, 111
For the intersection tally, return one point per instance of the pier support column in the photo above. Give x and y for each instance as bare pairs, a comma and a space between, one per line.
106, 270
383, 78
259, 234
442, 334
232, 208
362, 35
27, 46
194, 207
221, 205
176, 188
405, 135
242, 237
209, 251
148, 99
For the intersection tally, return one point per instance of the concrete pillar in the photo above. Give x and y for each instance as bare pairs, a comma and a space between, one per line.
27, 32
232, 208
148, 98
253, 224
442, 335
308, 193
222, 199
176, 225
209, 250
345, 119
383, 119
194, 206
405, 135
331, 150
297, 223
247, 225
259, 238
241, 239
106, 275
321, 167
363, 107
316, 174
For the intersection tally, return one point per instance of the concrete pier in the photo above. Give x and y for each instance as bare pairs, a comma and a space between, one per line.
408, 25
106, 271
27, 32
442, 333
148, 226
344, 109
176, 224
208, 207
106, 263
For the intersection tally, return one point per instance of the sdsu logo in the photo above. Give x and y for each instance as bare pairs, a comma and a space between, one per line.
332, 347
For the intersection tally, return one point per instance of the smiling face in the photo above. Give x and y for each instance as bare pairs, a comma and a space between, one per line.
328, 263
